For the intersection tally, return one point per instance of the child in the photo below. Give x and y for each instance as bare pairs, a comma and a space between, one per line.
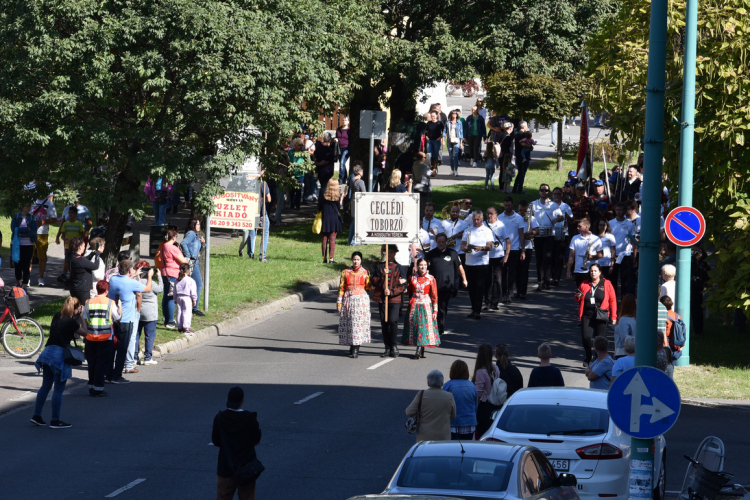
668, 288
528, 146
545, 375
186, 298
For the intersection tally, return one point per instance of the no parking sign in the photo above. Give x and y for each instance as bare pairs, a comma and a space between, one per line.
685, 226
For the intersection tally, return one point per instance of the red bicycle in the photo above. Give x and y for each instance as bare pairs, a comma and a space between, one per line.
21, 336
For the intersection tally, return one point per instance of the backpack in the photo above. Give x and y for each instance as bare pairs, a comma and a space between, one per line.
499, 392
157, 258
678, 331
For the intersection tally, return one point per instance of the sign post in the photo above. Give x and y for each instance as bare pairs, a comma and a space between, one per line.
685, 226
386, 218
372, 126
628, 404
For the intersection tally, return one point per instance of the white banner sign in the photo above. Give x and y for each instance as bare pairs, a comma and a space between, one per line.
386, 218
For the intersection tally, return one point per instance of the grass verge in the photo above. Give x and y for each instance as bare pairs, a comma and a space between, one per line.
719, 366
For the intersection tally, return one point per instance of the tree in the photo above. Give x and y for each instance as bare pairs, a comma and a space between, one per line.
450, 40
106, 94
618, 68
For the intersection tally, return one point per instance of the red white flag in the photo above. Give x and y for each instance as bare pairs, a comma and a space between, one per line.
583, 144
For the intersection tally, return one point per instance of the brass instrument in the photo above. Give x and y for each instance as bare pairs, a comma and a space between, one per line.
446, 212
587, 256
452, 240
468, 243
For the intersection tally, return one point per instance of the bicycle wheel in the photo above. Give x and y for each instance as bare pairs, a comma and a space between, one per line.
24, 342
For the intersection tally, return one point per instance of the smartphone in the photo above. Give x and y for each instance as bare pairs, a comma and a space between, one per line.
406, 178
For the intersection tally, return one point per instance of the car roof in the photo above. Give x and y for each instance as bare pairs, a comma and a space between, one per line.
409, 497
551, 395
474, 449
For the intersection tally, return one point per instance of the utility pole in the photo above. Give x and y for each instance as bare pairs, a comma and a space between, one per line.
687, 134
642, 451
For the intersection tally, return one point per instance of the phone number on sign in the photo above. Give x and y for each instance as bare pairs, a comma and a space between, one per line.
231, 223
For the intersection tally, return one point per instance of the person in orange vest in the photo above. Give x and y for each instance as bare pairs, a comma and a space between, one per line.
99, 314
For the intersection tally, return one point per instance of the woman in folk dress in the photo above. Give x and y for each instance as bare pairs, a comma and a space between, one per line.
423, 329
354, 306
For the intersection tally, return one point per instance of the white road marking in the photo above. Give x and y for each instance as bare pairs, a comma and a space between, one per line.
378, 365
308, 398
126, 487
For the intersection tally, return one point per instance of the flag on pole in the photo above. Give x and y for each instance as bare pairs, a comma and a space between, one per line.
583, 145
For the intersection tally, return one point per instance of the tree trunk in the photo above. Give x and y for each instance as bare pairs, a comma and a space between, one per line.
118, 220
559, 146
403, 107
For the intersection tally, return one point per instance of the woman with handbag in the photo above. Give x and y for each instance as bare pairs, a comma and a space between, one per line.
597, 305
431, 411
56, 359
485, 374
191, 247
454, 133
329, 206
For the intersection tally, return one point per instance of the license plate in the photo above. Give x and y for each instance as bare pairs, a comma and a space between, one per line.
560, 465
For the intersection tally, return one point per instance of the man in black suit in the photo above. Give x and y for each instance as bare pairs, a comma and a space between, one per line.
445, 267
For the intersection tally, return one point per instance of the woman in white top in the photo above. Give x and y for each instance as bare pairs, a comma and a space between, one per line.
98, 273
609, 247
625, 325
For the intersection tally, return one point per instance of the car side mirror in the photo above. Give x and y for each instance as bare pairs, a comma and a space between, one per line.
568, 480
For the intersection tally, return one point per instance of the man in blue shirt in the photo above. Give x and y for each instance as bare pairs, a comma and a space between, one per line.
627, 362
124, 287
599, 371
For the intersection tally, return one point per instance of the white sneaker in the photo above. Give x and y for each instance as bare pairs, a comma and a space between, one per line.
41, 282
150, 362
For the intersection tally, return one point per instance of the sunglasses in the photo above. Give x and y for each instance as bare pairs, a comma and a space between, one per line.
544, 190
468, 203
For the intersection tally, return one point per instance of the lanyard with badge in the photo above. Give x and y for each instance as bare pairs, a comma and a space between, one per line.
592, 300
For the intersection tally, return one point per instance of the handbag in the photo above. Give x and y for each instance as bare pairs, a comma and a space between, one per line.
15, 247
601, 314
73, 355
246, 474
317, 226
412, 425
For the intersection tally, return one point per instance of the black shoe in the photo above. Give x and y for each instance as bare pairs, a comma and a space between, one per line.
325, 260
198, 312
555, 282
241, 253
351, 352
59, 424
252, 256
121, 380
522, 297
540, 288
416, 354
99, 394
478, 316
547, 286
37, 420
421, 352
356, 352
394, 352
386, 353
495, 307
472, 315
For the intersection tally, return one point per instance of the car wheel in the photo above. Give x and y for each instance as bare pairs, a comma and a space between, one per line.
661, 486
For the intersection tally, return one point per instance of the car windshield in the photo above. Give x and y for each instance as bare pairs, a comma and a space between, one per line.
448, 473
554, 419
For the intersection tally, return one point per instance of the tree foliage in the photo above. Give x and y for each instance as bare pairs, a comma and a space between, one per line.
618, 66
105, 94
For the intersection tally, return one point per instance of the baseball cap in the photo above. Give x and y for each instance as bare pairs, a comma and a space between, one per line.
567, 183
603, 205
580, 186
598, 183
572, 173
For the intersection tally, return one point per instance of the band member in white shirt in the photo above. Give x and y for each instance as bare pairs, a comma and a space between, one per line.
622, 268
585, 249
530, 231
477, 243
515, 227
454, 228
466, 205
560, 247
430, 224
547, 213
609, 247
498, 258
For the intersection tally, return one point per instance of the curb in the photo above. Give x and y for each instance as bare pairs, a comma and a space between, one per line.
728, 405
230, 325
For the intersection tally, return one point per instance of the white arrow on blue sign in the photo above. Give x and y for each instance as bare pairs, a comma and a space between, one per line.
644, 402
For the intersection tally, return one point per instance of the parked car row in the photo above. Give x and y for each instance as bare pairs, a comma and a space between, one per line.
545, 443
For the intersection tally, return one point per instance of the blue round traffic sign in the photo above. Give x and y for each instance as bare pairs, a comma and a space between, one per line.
644, 402
685, 226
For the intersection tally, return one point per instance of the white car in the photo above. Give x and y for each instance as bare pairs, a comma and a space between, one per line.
571, 426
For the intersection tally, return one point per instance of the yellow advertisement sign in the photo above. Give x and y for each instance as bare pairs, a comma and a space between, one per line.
235, 210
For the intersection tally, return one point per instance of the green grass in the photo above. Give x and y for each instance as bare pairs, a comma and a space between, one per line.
720, 367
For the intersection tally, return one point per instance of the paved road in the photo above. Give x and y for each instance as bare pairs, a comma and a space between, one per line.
346, 441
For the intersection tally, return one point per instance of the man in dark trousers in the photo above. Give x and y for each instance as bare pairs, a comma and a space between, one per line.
394, 290
445, 266
236, 432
